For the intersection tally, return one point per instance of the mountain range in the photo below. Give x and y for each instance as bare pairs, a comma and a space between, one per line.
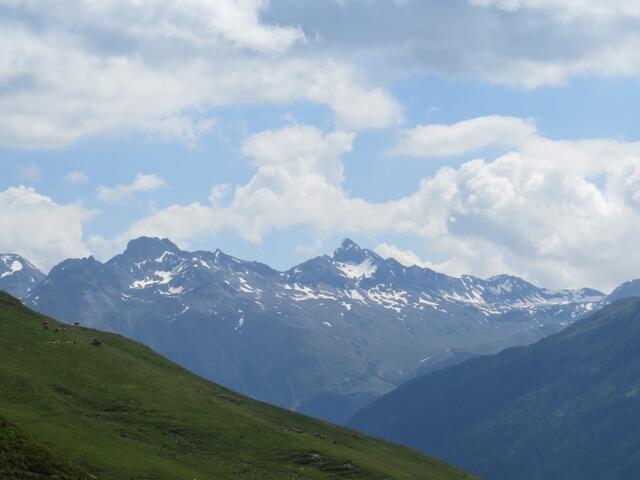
80, 404
567, 407
325, 337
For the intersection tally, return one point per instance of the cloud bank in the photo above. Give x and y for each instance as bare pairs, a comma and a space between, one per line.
520, 43
45, 230
80, 68
561, 213
158, 67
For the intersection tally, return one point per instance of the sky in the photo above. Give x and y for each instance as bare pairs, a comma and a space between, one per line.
469, 136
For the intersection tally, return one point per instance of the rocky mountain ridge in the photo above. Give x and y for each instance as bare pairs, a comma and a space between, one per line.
324, 337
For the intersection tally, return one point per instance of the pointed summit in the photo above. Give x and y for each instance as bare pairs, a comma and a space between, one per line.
347, 245
149, 247
349, 251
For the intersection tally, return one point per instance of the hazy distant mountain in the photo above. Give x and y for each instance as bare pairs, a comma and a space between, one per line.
87, 405
565, 408
325, 337
17, 275
626, 290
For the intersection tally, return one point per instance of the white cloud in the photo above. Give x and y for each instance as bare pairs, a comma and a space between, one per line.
83, 68
39, 229
309, 249
219, 193
301, 149
570, 9
76, 177
182, 127
464, 137
586, 157
117, 66
181, 223
623, 181
200, 23
521, 43
407, 258
142, 183
539, 211
560, 213
298, 180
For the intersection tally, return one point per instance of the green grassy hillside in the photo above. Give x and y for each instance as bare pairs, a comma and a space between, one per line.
123, 412
22, 458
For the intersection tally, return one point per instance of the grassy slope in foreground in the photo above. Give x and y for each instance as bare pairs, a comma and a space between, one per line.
122, 411
22, 458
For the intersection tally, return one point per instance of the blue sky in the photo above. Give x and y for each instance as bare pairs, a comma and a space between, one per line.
479, 136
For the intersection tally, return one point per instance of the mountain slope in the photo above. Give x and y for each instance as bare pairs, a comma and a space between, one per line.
22, 458
122, 412
626, 290
17, 275
325, 337
565, 408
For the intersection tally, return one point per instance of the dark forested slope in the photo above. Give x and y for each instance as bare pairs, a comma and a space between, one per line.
567, 407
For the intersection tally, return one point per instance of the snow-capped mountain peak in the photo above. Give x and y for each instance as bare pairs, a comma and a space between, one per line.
350, 252
18, 276
376, 318
353, 262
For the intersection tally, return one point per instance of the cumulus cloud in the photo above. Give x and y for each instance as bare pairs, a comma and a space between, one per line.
117, 66
299, 175
463, 137
554, 211
560, 213
45, 231
302, 149
142, 183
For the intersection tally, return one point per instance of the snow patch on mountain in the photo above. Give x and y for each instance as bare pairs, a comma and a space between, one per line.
164, 255
14, 267
302, 293
390, 299
355, 295
506, 285
365, 269
17, 275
